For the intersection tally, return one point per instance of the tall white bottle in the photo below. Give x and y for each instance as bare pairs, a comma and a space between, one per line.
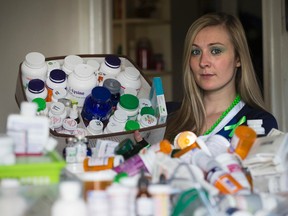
29, 132
70, 202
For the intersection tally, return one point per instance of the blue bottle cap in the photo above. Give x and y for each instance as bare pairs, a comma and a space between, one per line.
112, 61
101, 93
57, 76
36, 86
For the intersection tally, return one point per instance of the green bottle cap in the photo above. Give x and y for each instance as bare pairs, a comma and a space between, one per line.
132, 125
147, 110
41, 103
129, 101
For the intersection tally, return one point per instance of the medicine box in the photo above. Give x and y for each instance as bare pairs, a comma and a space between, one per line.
152, 134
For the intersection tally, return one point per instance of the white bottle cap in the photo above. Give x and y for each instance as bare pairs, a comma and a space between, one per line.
35, 59
83, 71
70, 62
69, 124
148, 120
57, 108
95, 127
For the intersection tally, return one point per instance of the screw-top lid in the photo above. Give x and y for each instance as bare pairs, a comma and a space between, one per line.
132, 73
184, 139
41, 103
71, 61
101, 93
69, 124
84, 71
57, 108
132, 125
95, 127
147, 110
36, 86
148, 120
112, 61
129, 101
113, 85
35, 60
57, 76
28, 108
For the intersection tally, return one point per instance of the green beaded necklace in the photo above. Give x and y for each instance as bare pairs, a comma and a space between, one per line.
224, 114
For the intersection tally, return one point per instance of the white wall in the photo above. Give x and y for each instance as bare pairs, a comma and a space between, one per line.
54, 28
275, 46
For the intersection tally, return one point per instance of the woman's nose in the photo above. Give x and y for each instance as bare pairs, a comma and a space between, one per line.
204, 60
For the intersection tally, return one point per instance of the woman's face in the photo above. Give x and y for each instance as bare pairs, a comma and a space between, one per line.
213, 60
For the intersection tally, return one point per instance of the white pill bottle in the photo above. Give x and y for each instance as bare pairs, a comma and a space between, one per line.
33, 67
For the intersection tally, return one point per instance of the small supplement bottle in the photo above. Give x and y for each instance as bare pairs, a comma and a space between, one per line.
113, 127
147, 120
70, 62
242, 140
57, 79
97, 105
119, 117
145, 110
110, 67
42, 108
80, 83
33, 67
69, 124
130, 78
96, 164
73, 114
130, 104
256, 124
58, 109
36, 89
114, 87
56, 123
58, 93
95, 127
51, 65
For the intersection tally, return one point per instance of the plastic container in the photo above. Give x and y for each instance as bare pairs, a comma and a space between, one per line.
129, 104
58, 109
114, 87
70, 62
70, 124
145, 110
242, 140
57, 79
70, 201
256, 124
97, 164
56, 123
97, 105
119, 117
19, 125
95, 127
184, 139
80, 83
109, 68
163, 146
33, 67
129, 78
113, 127
147, 120
36, 89
73, 114
58, 93
52, 65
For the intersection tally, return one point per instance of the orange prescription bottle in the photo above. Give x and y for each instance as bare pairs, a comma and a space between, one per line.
163, 146
242, 140
184, 139
104, 163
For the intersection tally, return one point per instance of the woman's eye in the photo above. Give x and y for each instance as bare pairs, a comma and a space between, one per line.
216, 51
195, 52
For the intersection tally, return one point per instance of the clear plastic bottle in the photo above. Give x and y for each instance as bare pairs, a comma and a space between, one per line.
33, 67
70, 62
97, 105
36, 89
129, 78
70, 201
57, 79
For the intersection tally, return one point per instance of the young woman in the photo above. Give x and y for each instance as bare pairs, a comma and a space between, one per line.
220, 86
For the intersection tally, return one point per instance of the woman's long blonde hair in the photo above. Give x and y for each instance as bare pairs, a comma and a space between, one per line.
191, 115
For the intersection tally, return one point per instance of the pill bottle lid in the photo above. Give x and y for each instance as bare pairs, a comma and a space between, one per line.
55, 122
57, 76
84, 71
94, 63
165, 146
148, 120
101, 93
147, 110
41, 103
129, 101
120, 115
71, 61
35, 59
184, 139
57, 108
36, 86
69, 124
112, 85
132, 73
132, 125
95, 127
112, 61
